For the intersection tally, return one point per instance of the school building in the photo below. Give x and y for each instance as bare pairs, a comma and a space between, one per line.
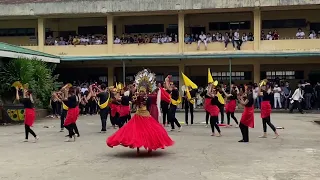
274, 47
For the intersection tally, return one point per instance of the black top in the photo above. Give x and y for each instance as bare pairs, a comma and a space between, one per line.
266, 96
72, 101
103, 97
308, 89
65, 102
26, 103
125, 100
175, 94
204, 94
215, 101
250, 99
234, 96
192, 93
317, 89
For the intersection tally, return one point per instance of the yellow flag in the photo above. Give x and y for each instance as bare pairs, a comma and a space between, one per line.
210, 79
189, 96
188, 82
220, 98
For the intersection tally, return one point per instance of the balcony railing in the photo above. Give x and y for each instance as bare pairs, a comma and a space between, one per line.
145, 49
290, 45
216, 46
79, 50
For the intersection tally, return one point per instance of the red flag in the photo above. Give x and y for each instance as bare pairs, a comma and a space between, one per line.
165, 96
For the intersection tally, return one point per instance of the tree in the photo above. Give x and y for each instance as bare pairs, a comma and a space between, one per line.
38, 74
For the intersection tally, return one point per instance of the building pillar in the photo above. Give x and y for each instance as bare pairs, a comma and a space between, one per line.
181, 70
41, 34
181, 32
110, 76
256, 73
257, 28
110, 33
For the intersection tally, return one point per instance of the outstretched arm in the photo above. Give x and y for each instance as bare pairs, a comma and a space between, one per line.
17, 94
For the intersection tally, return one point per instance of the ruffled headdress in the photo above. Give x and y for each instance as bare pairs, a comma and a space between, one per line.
145, 80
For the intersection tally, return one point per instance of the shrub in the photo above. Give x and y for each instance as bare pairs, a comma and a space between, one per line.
38, 74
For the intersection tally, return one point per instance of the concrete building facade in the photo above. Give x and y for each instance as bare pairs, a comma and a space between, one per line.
28, 23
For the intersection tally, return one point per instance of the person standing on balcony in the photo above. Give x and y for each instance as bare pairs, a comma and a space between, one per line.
202, 39
277, 96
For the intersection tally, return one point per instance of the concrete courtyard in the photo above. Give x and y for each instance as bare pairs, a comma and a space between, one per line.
295, 155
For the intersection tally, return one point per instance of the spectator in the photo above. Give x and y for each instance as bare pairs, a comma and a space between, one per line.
49, 41
308, 90
140, 39
56, 42
317, 94
154, 39
226, 38
300, 34
237, 40
219, 37
62, 42
117, 40
98, 41
269, 36
286, 94
312, 35
76, 41
146, 39
275, 35
296, 100
187, 39
214, 38
263, 36
277, 97
192, 38
123, 39
202, 39
209, 38
250, 36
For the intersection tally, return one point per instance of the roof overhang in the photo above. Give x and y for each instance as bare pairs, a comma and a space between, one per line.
12, 51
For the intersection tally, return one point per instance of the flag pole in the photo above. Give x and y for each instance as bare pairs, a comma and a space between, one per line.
230, 73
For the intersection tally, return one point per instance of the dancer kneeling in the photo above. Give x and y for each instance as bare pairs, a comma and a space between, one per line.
142, 130
213, 109
247, 118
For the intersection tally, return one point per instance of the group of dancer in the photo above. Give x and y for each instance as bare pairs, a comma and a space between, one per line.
144, 128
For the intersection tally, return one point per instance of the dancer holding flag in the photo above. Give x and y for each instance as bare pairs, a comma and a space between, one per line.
142, 130
189, 96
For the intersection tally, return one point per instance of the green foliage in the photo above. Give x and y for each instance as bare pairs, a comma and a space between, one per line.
38, 74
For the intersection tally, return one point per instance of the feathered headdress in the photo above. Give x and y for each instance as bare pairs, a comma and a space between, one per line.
145, 80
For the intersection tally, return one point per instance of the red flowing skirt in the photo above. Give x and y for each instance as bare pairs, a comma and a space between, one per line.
207, 103
114, 109
29, 116
231, 106
247, 117
72, 116
213, 110
154, 111
141, 131
265, 109
124, 110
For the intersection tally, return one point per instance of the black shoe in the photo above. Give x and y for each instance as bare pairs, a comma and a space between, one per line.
243, 141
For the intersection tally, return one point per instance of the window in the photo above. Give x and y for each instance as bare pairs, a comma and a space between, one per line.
18, 32
244, 75
144, 28
284, 23
313, 26
283, 75
229, 25
85, 30
172, 29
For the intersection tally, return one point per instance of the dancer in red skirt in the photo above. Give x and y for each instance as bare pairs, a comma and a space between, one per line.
247, 118
213, 109
115, 108
72, 114
207, 102
231, 104
142, 130
266, 93
29, 112
125, 112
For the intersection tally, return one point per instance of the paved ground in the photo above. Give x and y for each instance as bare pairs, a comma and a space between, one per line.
195, 156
